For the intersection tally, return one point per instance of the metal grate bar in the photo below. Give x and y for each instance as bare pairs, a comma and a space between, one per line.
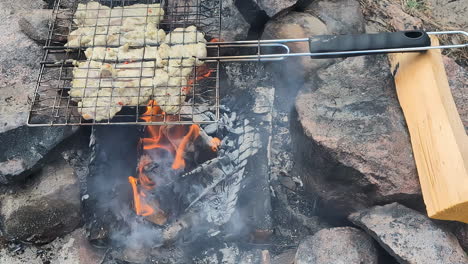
52, 104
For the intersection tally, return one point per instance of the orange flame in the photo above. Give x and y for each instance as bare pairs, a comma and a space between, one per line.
141, 207
170, 139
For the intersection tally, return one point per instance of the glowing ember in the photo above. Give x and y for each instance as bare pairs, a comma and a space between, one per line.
215, 142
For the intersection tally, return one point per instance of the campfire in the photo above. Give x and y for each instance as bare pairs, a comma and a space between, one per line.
162, 147
165, 147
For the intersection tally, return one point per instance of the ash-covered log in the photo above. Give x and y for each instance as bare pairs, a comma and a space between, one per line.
113, 161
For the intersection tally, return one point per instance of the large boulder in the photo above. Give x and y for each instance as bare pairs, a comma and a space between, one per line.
350, 139
340, 16
341, 245
47, 208
21, 147
409, 236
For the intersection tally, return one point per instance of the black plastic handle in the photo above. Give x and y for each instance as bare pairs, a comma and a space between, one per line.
386, 40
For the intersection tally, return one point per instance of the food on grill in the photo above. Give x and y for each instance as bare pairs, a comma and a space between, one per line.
97, 24
129, 84
113, 77
95, 14
188, 35
187, 51
102, 36
125, 53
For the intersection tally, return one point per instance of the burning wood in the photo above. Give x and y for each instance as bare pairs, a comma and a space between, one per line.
158, 143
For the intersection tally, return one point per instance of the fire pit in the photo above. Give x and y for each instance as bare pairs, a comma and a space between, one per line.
254, 162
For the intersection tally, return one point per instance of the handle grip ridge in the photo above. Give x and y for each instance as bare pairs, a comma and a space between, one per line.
385, 40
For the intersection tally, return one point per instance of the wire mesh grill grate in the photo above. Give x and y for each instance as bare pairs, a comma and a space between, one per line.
197, 101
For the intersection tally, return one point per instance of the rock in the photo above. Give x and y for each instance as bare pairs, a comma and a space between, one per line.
349, 137
273, 7
449, 13
63, 3
286, 257
409, 236
458, 80
340, 16
461, 232
19, 65
234, 26
21, 147
399, 19
76, 249
24, 150
296, 25
341, 245
48, 208
35, 24
73, 248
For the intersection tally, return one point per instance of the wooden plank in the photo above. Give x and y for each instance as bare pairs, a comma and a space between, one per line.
439, 140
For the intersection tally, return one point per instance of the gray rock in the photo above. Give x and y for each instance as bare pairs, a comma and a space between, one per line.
409, 236
286, 257
35, 24
63, 3
296, 25
273, 7
449, 13
460, 230
21, 148
233, 26
340, 16
350, 139
73, 248
19, 65
458, 80
341, 245
48, 208
24, 150
76, 249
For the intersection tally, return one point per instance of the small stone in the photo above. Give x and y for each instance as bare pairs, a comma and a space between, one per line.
286, 257
35, 24
47, 208
211, 129
409, 236
341, 245
273, 7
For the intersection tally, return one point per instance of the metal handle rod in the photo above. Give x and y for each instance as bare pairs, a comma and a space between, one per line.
287, 53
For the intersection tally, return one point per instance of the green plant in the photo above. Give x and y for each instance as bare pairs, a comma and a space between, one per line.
415, 5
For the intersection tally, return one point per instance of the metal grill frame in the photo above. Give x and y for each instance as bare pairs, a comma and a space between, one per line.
52, 106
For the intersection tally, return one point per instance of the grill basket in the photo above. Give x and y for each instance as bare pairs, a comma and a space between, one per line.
51, 104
